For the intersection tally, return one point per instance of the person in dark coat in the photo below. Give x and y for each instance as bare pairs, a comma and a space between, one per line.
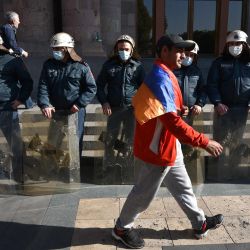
120, 77
66, 83
228, 88
15, 88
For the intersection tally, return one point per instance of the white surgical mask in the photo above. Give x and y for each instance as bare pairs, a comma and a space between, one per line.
187, 61
58, 55
235, 50
124, 55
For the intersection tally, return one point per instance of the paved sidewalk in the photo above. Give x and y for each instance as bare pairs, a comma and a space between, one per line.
84, 217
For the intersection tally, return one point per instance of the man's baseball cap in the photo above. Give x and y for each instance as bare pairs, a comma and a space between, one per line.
173, 41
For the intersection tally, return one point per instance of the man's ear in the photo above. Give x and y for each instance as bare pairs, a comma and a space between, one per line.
165, 50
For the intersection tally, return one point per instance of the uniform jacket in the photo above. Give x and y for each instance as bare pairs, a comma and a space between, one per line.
8, 34
15, 81
192, 85
121, 80
228, 82
156, 105
65, 84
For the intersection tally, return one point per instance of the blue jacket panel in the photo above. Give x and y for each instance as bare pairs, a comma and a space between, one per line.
15, 81
118, 82
8, 34
228, 82
192, 85
63, 85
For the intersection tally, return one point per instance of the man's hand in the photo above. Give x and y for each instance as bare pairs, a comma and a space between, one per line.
15, 104
74, 109
47, 112
25, 54
221, 109
106, 109
184, 111
214, 148
196, 110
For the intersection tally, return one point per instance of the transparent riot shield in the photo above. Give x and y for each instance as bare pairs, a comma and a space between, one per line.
232, 131
114, 135
51, 154
194, 157
11, 150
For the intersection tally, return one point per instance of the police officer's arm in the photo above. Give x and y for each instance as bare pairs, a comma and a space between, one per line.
10, 39
25, 80
213, 80
213, 88
88, 88
43, 90
201, 91
101, 83
141, 75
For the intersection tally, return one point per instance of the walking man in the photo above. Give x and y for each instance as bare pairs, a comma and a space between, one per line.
159, 131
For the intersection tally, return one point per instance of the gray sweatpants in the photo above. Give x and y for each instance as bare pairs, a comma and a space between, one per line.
147, 184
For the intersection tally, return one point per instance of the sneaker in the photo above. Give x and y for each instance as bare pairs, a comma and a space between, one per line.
209, 224
129, 237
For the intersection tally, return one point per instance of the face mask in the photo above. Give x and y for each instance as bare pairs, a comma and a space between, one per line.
58, 55
124, 55
187, 61
235, 50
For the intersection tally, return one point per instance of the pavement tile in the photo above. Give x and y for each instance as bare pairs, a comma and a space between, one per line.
60, 216
98, 209
228, 205
182, 234
238, 227
174, 210
192, 247
93, 235
64, 200
242, 246
36, 202
154, 232
155, 210
34, 217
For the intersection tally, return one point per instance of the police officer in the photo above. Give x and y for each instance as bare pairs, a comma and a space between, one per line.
191, 82
118, 81
13, 74
66, 82
228, 88
193, 90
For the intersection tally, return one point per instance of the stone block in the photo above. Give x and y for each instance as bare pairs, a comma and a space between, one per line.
154, 232
98, 209
182, 233
228, 205
93, 235
238, 227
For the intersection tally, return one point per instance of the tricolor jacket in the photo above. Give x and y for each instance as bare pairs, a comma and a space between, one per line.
157, 104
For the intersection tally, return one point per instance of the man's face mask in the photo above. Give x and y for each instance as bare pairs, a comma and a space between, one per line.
124, 55
235, 50
58, 55
187, 61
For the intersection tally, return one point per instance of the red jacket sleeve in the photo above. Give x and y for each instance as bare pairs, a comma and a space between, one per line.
182, 131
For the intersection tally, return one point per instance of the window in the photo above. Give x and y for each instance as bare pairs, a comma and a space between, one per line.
176, 17
145, 27
204, 25
234, 15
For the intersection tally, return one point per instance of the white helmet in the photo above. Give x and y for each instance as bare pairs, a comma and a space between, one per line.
237, 36
126, 38
1, 40
196, 47
62, 39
